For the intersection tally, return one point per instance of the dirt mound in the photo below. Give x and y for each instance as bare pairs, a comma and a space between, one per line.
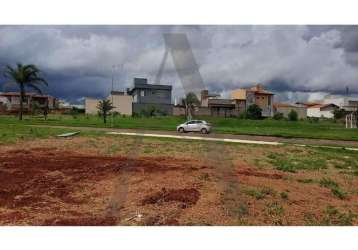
252, 172
187, 196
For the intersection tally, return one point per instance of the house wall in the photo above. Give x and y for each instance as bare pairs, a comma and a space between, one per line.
122, 104
166, 108
152, 95
301, 111
265, 102
178, 111
317, 112
238, 94
91, 106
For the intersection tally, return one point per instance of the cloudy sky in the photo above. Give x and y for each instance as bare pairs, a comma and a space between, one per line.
296, 62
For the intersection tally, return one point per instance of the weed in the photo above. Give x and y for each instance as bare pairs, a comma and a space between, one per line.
339, 193
204, 177
274, 209
284, 195
305, 180
328, 183
257, 194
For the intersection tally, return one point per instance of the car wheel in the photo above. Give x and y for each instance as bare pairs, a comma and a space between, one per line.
204, 131
181, 130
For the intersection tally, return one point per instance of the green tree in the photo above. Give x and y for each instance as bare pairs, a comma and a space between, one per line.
293, 116
339, 113
104, 107
25, 76
190, 101
254, 112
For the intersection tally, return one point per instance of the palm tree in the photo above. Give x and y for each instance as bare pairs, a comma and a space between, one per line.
25, 76
104, 107
190, 101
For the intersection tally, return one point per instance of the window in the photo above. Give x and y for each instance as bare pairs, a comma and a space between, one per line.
135, 98
269, 101
142, 93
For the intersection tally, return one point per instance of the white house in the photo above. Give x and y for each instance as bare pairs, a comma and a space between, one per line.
322, 110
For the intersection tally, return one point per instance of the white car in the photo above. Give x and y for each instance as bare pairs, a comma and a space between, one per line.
194, 126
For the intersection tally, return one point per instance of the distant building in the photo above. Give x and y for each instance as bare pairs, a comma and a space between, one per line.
10, 101
120, 100
343, 102
146, 96
285, 109
256, 95
322, 110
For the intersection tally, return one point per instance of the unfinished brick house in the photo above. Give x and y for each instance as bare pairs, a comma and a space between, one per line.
10, 101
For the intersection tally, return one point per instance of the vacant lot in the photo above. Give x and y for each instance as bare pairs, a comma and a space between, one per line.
300, 129
117, 180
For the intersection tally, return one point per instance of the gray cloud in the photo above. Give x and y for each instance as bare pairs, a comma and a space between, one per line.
295, 61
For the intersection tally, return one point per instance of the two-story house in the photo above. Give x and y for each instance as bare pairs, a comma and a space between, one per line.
146, 96
11, 101
256, 95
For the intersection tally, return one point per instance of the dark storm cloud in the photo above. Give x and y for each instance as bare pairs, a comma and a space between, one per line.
77, 60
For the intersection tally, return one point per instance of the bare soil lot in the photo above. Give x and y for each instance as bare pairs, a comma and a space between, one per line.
132, 181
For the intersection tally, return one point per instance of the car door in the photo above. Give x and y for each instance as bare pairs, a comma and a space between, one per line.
199, 125
191, 126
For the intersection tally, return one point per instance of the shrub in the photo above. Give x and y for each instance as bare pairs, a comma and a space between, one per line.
339, 113
293, 116
254, 112
284, 195
278, 116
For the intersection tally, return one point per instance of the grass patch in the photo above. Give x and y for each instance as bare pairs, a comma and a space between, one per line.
328, 183
331, 217
334, 187
259, 194
305, 181
291, 162
300, 129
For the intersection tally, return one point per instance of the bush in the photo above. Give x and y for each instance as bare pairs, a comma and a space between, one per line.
292, 116
278, 116
254, 112
339, 113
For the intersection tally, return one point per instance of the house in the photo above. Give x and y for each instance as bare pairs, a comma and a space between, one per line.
219, 106
322, 110
120, 100
255, 95
146, 96
343, 102
285, 109
11, 100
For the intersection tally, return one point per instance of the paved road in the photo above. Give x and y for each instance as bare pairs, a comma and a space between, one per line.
252, 139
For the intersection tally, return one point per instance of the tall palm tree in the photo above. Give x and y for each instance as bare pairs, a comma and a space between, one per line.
25, 76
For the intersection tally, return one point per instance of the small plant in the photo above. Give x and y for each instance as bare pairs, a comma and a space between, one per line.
258, 195
292, 116
278, 116
305, 181
339, 193
284, 195
328, 183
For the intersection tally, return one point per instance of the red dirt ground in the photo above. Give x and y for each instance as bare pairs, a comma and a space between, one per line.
48, 185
